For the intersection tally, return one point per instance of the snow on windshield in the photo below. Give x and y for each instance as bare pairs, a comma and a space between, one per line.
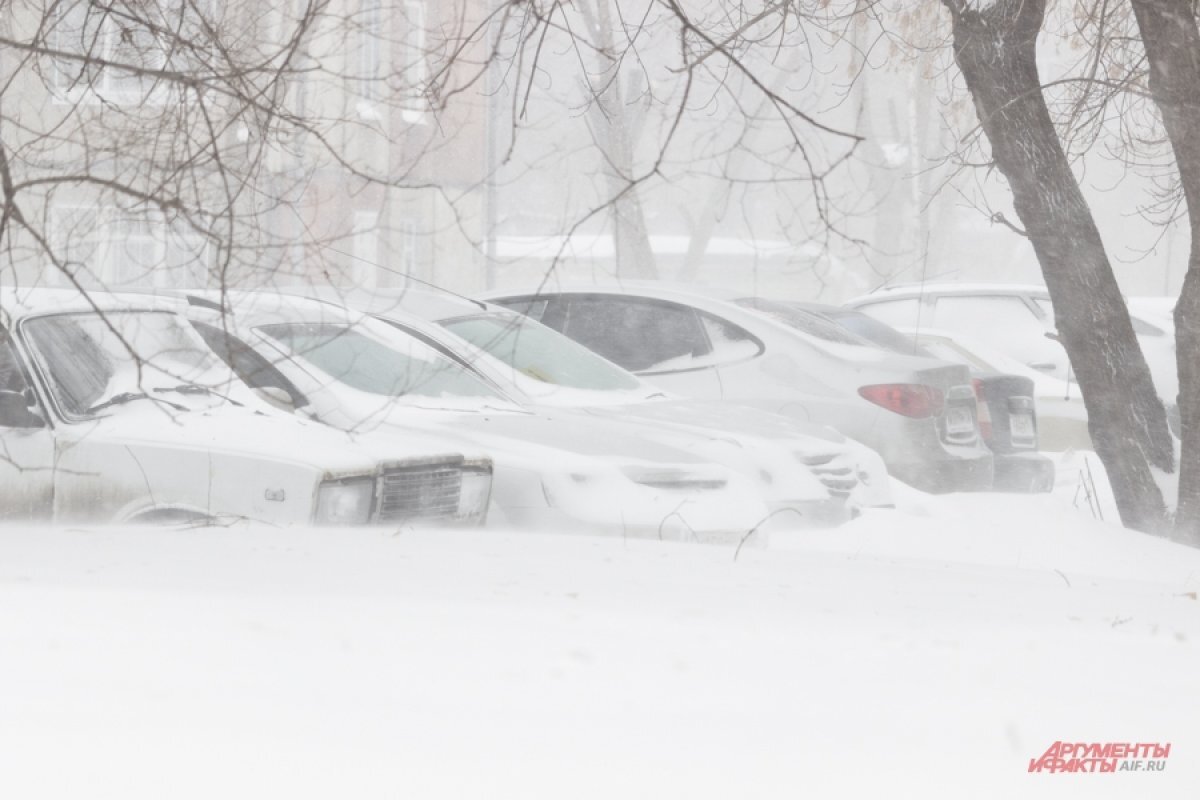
92, 358
540, 353
402, 367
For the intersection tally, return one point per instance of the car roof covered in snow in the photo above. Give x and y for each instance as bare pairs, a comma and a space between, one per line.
918, 289
18, 302
665, 290
430, 304
252, 308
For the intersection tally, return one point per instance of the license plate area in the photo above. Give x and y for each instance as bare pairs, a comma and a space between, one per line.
960, 421
1022, 427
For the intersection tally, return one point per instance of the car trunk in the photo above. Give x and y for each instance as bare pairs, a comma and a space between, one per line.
1008, 416
958, 423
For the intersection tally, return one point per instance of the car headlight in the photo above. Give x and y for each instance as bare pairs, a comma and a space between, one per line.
476, 490
345, 502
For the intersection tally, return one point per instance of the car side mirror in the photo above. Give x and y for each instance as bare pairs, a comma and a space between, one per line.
16, 413
1053, 336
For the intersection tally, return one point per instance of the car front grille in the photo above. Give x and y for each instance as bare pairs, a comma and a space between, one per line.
419, 492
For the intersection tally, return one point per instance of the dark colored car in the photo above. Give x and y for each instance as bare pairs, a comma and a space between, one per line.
1007, 412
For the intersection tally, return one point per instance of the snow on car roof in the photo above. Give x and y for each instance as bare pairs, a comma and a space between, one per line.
915, 289
649, 288
25, 301
430, 304
261, 307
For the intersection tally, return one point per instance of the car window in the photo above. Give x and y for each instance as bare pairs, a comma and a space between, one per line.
255, 370
878, 333
728, 342
529, 306
91, 358
801, 320
1143, 328
985, 316
402, 367
1044, 305
12, 377
1140, 326
540, 353
900, 313
637, 333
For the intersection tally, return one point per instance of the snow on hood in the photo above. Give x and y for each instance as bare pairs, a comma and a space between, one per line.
267, 435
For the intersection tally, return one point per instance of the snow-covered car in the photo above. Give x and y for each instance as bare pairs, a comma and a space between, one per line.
113, 409
1017, 320
562, 473
542, 368
1062, 422
918, 414
1007, 410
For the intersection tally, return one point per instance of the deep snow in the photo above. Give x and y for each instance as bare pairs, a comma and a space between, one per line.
926, 652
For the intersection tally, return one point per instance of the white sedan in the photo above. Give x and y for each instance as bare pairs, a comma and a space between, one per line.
113, 409
358, 374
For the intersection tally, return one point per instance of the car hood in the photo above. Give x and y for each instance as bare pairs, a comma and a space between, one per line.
258, 434
536, 436
714, 415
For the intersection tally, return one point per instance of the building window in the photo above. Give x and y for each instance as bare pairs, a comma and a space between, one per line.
145, 37
74, 241
416, 65
366, 249
370, 51
105, 247
406, 249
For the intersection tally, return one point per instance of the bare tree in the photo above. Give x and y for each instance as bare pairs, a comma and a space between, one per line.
995, 47
1172, 43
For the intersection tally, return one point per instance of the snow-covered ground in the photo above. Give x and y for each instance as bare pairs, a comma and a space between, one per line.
930, 651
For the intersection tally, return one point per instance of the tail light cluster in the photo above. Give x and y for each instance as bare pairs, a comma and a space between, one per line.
910, 399
983, 412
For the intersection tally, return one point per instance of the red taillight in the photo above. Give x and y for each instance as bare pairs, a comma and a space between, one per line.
909, 399
982, 411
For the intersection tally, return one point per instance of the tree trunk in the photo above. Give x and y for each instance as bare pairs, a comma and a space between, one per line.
1172, 41
615, 133
994, 46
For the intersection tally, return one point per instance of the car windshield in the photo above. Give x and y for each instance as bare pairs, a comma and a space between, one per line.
401, 367
877, 333
801, 320
95, 360
540, 353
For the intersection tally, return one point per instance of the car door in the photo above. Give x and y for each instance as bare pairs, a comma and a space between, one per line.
26, 443
663, 342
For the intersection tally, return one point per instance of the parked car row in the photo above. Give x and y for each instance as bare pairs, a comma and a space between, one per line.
918, 413
298, 410
645, 409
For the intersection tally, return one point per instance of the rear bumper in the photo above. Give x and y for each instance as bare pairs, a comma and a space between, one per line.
971, 471
1023, 472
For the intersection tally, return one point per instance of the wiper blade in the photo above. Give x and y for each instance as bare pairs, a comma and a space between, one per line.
117, 400
129, 397
195, 388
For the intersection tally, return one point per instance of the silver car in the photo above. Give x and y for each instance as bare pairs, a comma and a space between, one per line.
918, 413
544, 369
